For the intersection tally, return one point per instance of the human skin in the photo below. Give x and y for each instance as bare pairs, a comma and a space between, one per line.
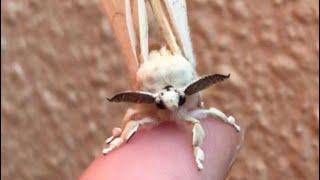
165, 152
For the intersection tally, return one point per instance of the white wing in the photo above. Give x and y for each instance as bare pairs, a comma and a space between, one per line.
164, 24
121, 23
143, 30
130, 28
177, 11
120, 14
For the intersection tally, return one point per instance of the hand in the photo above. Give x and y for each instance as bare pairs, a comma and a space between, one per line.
165, 152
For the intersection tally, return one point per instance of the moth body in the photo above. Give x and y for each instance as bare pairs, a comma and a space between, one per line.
167, 85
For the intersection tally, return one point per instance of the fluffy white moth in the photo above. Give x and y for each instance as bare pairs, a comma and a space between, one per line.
169, 87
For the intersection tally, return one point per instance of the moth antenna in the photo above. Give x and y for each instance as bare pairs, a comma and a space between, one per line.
204, 82
165, 26
133, 96
177, 11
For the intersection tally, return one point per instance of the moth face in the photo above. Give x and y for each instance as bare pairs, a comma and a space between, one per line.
170, 98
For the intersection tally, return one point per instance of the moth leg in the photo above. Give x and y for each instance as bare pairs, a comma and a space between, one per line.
115, 133
116, 142
198, 135
130, 128
202, 113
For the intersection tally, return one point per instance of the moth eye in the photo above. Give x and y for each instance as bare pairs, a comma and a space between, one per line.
160, 105
182, 100
161, 94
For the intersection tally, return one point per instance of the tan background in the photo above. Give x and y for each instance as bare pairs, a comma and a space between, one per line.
60, 60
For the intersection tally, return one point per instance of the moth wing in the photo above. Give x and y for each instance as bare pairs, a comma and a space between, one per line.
143, 30
133, 96
204, 82
120, 18
177, 11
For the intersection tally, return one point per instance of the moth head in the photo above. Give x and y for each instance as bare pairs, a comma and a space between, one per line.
170, 98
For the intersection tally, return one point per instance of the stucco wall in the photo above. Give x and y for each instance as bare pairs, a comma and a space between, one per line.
60, 60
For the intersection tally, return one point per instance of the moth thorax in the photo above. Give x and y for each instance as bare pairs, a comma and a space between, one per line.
162, 69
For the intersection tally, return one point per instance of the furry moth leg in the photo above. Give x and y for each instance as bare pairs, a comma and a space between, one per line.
198, 135
115, 133
197, 139
202, 113
130, 128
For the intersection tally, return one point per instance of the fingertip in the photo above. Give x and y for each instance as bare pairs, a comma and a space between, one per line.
165, 152
221, 146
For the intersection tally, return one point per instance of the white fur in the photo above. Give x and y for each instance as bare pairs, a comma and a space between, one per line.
170, 99
164, 68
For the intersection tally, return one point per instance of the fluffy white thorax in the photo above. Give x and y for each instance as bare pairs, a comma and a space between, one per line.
164, 68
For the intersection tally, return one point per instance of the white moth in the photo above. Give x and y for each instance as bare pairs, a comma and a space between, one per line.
168, 85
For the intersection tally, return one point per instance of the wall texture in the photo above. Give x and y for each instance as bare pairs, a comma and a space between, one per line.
60, 60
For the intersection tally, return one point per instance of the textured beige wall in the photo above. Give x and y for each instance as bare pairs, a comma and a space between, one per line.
60, 60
